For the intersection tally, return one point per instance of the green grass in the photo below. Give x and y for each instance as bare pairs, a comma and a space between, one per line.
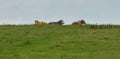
59, 42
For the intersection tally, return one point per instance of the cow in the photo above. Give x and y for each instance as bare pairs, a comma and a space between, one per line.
39, 22
60, 22
81, 22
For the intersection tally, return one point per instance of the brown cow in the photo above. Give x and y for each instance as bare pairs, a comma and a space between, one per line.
81, 22
40, 22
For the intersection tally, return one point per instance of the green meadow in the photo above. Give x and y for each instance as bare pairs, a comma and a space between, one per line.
59, 42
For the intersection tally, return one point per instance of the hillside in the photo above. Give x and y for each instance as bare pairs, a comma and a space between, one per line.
59, 42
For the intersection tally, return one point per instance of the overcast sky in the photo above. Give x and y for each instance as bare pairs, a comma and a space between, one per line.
92, 11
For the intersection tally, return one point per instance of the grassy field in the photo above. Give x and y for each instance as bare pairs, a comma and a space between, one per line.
59, 42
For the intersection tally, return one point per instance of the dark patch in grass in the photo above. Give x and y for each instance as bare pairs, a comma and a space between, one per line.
27, 33
95, 26
27, 42
55, 46
106, 38
15, 56
69, 57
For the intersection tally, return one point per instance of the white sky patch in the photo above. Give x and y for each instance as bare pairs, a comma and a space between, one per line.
18, 21
93, 11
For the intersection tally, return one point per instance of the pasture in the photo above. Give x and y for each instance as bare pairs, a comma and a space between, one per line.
59, 42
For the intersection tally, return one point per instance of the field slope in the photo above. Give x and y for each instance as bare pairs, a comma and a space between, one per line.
59, 42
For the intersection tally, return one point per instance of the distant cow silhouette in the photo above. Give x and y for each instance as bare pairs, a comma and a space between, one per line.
40, 22
60, 22
79, 22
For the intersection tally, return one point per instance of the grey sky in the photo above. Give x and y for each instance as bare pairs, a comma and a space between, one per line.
93, 11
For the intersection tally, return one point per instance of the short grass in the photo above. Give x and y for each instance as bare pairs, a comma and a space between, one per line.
59, 42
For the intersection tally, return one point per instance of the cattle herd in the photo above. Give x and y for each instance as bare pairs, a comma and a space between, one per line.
80, 22
60, 22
